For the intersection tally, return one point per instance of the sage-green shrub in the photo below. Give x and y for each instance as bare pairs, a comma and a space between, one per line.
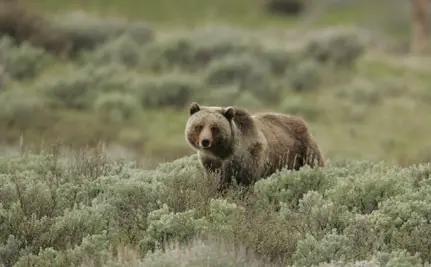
62, 210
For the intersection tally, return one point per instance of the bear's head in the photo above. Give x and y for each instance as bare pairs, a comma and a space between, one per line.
210, 130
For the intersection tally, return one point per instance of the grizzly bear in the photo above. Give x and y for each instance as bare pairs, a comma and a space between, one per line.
234, 143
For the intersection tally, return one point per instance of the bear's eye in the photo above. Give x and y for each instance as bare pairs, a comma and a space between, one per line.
198, 128
214, 129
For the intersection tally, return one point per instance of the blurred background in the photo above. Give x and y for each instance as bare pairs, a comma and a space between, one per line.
123, 72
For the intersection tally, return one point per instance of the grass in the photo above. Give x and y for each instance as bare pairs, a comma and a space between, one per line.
171, 13
167, 12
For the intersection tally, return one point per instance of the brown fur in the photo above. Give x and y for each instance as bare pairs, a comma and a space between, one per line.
249, 147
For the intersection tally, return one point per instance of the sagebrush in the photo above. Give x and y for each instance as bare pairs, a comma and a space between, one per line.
71, 210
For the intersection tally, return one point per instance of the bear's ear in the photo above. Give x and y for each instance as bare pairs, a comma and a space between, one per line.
229, 112
194, 107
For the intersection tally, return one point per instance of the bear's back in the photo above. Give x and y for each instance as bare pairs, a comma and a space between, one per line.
281, 124
287, 137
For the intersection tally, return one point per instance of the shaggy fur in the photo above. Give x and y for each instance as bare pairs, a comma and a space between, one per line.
231, 142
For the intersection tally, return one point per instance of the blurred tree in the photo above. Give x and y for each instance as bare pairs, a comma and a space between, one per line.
420, 35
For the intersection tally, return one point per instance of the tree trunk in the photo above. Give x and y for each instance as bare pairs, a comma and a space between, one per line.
419, 34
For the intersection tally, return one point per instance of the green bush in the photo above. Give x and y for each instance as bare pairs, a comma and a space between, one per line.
117, 107
26, 25
75, 90
124, 50
247, 72
404, 218
196, 50
19, 107
214, 43
232, 69
395, 258
4, 77
140, 31
200, 49
81, 87
290, 187
280, 60
211, 253
169, 90
113, 77
307, 76
341, 48
86, 209
24, 61
70, 33
363, 194
171, 54
84, 32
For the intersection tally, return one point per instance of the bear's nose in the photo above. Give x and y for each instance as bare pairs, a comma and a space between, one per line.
205, 143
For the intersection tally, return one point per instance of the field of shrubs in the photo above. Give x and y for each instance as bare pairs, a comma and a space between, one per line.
87, 210
122, 87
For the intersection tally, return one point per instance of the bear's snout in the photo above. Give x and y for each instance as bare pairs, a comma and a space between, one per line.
205, 143
205, 138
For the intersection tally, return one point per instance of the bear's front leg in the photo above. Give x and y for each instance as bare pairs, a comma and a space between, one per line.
210, 165
242, 170
214, 168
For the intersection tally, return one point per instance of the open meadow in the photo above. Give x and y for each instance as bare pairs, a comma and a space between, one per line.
96, 171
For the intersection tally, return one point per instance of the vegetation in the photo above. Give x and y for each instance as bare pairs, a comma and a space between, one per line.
85, 209
85, 78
